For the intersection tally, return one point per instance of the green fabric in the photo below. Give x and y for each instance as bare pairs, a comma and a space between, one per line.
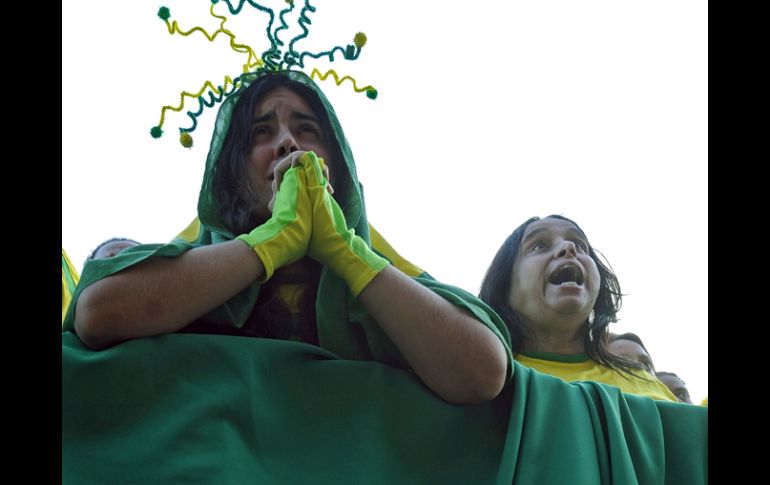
183, 408
283, 239
570, 359
67, 271
199, 408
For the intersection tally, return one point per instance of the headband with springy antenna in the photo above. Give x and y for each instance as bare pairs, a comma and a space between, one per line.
272, 60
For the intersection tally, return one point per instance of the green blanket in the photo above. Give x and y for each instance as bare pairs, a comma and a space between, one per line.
187, 408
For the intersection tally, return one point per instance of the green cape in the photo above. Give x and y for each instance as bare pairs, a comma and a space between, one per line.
195, 408
341, 319
185, 408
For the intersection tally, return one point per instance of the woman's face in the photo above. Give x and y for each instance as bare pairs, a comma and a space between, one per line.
112, 248
282, 123
676, 386
630, 350
554, 281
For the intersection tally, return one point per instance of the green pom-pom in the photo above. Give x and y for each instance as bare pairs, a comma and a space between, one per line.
185, 139
164, 13
359, 40
215, 2
156, 132
371, 93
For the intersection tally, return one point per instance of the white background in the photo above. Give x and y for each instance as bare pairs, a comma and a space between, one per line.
488, 113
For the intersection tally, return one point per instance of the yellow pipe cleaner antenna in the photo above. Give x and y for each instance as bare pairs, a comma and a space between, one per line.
239, 48
370, 91
207, 84
252, 62
278, 57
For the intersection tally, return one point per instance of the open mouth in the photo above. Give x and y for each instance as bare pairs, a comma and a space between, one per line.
568, 273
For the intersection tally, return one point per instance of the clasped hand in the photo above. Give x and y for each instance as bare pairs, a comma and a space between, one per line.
306, 220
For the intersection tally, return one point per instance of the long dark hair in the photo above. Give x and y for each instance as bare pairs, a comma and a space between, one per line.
235, 205
496, 290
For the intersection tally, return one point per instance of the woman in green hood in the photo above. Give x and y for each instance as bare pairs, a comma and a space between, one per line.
274, 255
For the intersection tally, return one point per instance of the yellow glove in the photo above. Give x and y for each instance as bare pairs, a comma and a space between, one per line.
331, 242
284, 238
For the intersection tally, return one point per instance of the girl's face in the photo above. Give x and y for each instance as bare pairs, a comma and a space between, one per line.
555, 281
282, 123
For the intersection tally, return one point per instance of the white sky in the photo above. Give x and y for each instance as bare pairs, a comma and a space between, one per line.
488, 113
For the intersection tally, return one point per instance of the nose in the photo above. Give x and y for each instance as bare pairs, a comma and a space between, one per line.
566, 248
285, 144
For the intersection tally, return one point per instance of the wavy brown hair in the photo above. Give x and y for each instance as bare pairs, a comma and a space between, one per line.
234, 202
496, 289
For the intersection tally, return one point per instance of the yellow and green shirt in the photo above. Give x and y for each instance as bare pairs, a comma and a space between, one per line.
580, 368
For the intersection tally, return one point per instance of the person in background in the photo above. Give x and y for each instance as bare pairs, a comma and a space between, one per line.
629, 346
111, 247
676, 385
558, 298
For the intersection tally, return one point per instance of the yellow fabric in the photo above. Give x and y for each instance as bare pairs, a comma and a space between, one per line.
380, 244
190, 233
589, 370
705, 401
283, 238
66, 291
291, 296
332, 242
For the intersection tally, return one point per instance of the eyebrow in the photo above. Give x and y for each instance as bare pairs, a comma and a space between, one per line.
579, 234
570, 232
531, 234
296, 115
263, 118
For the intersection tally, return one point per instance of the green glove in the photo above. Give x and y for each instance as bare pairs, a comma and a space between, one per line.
284, 238
332, 243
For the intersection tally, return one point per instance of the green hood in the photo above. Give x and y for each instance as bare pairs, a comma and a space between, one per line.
355, 213
344, 327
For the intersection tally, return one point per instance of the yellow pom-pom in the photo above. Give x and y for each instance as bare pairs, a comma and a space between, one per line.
359, 40
186, 139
